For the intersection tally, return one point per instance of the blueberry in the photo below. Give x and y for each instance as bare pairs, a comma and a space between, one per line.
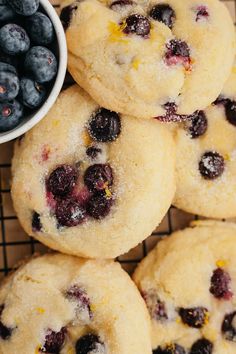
54, 341
7, 67
62, 180
5, 332
201, 13
178, 53
31, 93
67, 14
220, 284
10, 114
76, 293
98, 177
41, 64
228, 327
36, 222
202, 346
9, 86
172, 348
69, 212
40, 29
163, 13
90, 343
93, 152
105, 125
98, 206
197, 124
137, 24
14, 39
195, 317
155, 305
117, 4
230, 111
24, 7
211, 165
6, 12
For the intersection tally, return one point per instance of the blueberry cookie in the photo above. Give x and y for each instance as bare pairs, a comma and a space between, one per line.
58, 304
189, 284
206, 158
88, 182
150, 59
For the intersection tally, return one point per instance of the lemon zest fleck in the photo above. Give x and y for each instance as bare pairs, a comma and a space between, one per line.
220, 263
136, 63
178, 320
234, 70
37, 349
40, 310
86, 138
116, 32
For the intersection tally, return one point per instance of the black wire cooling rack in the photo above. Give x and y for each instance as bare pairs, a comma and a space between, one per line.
15, 244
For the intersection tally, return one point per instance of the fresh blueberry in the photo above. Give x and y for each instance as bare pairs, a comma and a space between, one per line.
13, 39
67, 14
90, 343
105, 125
195, 317
197, 124
211, 165
228, 327
98, 177
24, 7
163, 13
137, 24
69, 212
230, 111
6, 12
117, 4
40, 64
155, 305
9, 86
31, 93
40, 29
202, 346
220, 284
5, 332
93, 152
7, 67
99, 206
54, 341
36, 222
172, 348
62, 180
10, 114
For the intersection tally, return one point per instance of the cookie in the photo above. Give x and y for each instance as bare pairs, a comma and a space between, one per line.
63, 304
189, 284
90, 182
149, 59
206, 158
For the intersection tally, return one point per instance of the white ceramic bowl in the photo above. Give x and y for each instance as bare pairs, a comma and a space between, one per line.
29, 121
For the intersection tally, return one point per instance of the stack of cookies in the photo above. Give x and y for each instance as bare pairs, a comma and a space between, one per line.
155, 126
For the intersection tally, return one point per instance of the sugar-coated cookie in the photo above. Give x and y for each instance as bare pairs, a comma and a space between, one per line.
58, 304
206, 158
150, 59
189, 284
89, 182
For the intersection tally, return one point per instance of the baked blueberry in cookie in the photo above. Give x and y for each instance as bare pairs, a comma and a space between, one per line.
90, 185
57, 304
205, 160
188, 282
136, 44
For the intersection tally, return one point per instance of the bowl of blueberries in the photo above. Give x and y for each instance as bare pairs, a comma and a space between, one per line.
33, 61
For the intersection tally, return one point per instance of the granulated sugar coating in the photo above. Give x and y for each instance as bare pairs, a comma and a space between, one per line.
135, 57
92, 204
